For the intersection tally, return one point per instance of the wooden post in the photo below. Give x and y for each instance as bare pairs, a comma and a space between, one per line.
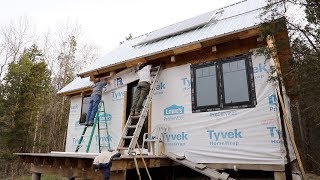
36, 176
271, 45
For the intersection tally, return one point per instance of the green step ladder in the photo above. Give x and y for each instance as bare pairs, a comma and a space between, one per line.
100, 116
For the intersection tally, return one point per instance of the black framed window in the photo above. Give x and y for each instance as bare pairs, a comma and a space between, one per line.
223, 84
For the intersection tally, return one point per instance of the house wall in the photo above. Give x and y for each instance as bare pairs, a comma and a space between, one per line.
243, 136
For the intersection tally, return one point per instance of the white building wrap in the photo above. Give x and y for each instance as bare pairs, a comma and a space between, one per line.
242, 136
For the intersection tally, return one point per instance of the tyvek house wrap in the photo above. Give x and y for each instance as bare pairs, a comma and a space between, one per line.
243, 136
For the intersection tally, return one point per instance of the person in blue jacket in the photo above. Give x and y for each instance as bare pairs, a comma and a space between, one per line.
95, 98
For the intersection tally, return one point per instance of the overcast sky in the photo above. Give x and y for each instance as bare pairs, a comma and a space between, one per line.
106, 22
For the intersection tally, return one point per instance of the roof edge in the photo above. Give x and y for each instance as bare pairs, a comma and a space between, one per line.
88, 73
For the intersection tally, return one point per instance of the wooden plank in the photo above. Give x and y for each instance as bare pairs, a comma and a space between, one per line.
263, 167
135, 62
188, 48
212, 173
271, 45
279, 175
160, 55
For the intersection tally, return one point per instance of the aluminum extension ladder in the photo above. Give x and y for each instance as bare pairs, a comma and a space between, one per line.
100, 117
155, 72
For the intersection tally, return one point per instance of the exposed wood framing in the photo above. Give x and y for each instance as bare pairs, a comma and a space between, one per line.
78, 91
135, 62
184, 49
188, 48
263, 167
224, 50
271, 45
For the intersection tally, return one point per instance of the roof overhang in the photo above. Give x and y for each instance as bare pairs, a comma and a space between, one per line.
234, 35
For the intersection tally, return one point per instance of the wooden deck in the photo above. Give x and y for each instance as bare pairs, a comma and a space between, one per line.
79, 165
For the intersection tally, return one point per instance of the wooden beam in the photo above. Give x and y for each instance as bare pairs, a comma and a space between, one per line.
188, 48
271, 45
262, 167
135, 62
160, 55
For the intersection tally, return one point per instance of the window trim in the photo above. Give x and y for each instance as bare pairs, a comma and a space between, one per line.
222, 105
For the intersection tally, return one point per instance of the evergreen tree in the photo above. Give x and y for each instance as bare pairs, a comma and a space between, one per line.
25, 92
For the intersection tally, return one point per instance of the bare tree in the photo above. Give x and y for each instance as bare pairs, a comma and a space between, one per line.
13, 39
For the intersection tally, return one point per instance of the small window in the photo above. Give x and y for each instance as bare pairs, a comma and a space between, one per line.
84, 109
223, 84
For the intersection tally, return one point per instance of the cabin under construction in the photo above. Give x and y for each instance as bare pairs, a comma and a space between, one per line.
211, 108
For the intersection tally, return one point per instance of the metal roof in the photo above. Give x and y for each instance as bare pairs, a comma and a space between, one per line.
234, 18
76, 84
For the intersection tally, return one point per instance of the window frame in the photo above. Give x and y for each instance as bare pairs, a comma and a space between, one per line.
222, 105
194, 105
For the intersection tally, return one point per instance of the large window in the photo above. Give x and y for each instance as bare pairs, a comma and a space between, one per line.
223, 84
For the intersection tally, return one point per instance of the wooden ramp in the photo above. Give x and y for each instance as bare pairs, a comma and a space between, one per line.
201, 168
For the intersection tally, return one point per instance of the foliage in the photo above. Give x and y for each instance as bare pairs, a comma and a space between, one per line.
300, 18
26, 89
34, 118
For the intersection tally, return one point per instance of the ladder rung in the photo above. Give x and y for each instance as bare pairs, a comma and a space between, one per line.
104, 145
154, 68
127, 137
135, 117
123, 148
132, 126
153, 73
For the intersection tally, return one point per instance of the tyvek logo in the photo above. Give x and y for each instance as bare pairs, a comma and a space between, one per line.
260, 71
186, 82
159, 89
75, 141
273, 103
176, 139
275, 134
224, 138
117, 82
103, 139
260, 68
173, 110
116, 96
